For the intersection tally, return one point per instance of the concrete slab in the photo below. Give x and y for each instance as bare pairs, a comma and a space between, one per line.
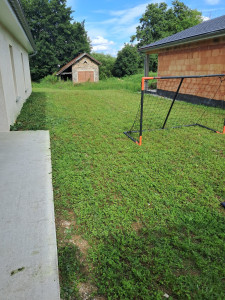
28, 252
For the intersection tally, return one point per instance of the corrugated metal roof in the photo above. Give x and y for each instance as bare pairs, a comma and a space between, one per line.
76, 59
200, 31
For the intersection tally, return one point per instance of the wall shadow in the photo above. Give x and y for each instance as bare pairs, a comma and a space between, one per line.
33, 114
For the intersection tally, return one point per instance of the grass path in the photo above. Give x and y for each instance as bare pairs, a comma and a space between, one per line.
132, 222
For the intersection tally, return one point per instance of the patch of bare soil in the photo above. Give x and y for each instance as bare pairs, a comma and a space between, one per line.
85, 289
62, 225
137, 225
82, 244
65, 224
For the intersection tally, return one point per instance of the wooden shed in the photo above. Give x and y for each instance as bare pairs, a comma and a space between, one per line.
83, 68
199, 50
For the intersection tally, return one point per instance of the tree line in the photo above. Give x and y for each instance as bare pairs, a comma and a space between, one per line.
59, 38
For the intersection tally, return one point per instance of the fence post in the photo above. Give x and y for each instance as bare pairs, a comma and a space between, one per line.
146, 69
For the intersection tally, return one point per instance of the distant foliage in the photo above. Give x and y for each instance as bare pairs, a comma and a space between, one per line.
106, 68
57, 39
160, 21
50, 79
127, 61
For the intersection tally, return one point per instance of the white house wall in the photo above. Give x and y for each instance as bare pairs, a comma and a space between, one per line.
3, 112
15, 85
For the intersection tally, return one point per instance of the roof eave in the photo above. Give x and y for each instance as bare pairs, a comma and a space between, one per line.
13, 19
193, 39
75, 60
91, 58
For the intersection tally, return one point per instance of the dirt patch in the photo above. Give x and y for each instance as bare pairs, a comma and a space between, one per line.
82, 244
185, 272
188, 269
65, 222
137, 225
86, 290
62, 228
70, 222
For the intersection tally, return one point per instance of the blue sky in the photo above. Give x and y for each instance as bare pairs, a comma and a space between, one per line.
110, 23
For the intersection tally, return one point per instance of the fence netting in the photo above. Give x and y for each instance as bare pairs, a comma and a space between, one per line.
199, 102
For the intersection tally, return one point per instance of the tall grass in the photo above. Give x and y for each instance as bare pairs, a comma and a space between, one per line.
131, 83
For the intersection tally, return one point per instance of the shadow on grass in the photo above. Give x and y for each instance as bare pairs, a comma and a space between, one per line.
70, 270
33, 114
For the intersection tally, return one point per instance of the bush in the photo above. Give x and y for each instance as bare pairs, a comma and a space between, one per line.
152, 85
107, 64
49, 79
127, 61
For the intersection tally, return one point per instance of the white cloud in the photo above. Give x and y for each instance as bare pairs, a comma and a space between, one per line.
129, 15
99, 48
121, 47
124, 22
99, 43
95, 30
100, 40
117, 26
110, 21
212, 2
205, 18
125, 31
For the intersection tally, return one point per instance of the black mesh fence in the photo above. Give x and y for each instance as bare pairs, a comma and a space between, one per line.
162, 112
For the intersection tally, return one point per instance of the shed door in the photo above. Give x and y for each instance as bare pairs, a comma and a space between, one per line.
84, 76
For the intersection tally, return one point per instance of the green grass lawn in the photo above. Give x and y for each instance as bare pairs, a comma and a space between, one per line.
132, 222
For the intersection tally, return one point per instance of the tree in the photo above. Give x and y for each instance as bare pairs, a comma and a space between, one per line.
106, 68
127, 61
159, 21
57, 39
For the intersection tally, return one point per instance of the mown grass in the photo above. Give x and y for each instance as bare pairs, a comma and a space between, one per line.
151, 215
182, 114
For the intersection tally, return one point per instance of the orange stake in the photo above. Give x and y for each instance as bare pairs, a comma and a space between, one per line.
223, 130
